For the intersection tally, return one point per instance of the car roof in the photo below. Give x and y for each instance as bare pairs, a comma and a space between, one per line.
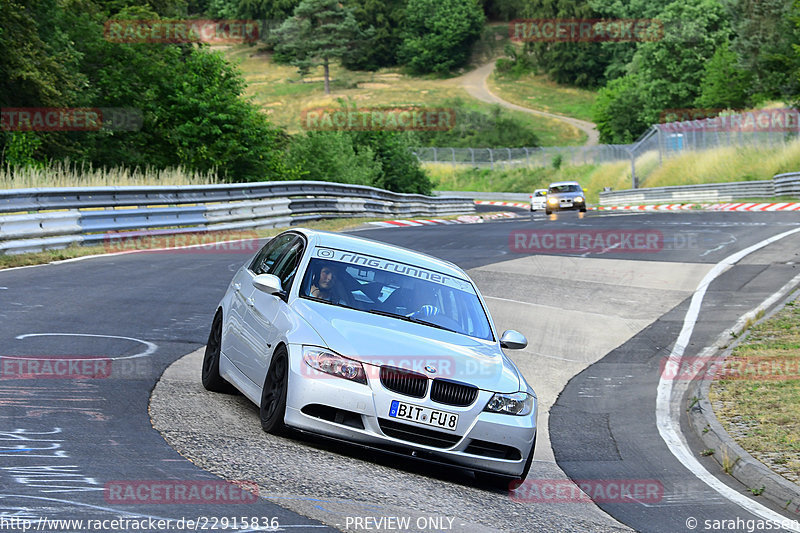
352, 243
558, 183
537, 190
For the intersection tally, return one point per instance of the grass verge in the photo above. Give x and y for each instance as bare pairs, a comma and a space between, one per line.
284, 94
536, 91
760, 408
721, 165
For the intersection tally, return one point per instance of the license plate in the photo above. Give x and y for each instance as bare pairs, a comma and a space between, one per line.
423, 415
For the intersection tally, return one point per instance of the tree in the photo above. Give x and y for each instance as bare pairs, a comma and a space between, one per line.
725, 84
616, 111
318, 32
575, 63
381, 20
438, 34
765, 37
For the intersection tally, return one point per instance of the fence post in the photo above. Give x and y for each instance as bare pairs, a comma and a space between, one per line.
491, 159
454, 157
527, 158
435, 159
472, 153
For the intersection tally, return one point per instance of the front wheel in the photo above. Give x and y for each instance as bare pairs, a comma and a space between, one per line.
548, 212
273, 396
212, 380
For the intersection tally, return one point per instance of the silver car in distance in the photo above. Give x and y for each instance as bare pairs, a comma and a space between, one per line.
374, 344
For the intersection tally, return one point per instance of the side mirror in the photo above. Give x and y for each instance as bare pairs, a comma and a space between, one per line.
513, 340
269, 284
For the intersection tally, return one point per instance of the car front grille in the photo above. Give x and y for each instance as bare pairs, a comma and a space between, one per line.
417, 435
453, 393
404, 381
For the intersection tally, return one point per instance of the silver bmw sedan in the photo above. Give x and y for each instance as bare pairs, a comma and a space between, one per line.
377, 345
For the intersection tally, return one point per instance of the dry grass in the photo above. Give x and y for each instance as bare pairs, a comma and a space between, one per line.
761, 409
284, 94
63, 174
538, 92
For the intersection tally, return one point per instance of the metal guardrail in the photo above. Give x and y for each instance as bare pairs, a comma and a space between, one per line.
780, 185
40, 219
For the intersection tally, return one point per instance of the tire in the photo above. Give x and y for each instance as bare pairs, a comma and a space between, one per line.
273, 395
583, 209
212, 380
548, 212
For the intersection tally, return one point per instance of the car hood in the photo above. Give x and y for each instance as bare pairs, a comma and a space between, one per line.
379, 340
565, 195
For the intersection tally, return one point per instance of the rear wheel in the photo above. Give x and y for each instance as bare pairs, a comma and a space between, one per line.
273, 396
212, 380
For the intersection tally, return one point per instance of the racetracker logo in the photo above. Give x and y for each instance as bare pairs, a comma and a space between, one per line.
181, 31
585, 241
784, 120
70, 119
180, 492
589, 490
585, 30
55, 367
750, 368
212, 242
407, 118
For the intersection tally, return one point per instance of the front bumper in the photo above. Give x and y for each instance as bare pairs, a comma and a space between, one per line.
332, 406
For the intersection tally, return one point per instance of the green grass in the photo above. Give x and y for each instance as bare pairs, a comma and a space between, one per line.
761, 409
710, 166
284, 94
538, 92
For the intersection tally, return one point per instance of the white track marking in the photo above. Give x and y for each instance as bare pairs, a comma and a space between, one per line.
668, 425
150, 350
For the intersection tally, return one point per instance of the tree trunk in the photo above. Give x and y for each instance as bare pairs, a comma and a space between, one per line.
327, 81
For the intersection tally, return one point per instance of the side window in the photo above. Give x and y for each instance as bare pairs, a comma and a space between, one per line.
266, 258
286, 266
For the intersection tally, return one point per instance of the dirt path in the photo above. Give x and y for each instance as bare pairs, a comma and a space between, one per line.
475, 84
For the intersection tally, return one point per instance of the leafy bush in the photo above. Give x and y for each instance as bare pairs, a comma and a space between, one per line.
438, 34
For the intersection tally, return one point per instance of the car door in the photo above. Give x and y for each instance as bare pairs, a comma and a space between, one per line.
238, 343
266, 318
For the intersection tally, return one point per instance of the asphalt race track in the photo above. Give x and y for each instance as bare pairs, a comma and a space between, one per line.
599, 322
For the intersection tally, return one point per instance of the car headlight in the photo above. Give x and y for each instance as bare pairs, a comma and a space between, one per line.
552, 200
579, 199
334, 364
518, 403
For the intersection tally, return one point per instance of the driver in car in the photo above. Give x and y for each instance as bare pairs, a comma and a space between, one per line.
323, 284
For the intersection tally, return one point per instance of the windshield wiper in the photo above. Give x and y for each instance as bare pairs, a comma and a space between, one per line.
410, 319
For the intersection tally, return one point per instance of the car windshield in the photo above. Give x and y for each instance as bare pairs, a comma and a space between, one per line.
390, 288
540, 193
564, 188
